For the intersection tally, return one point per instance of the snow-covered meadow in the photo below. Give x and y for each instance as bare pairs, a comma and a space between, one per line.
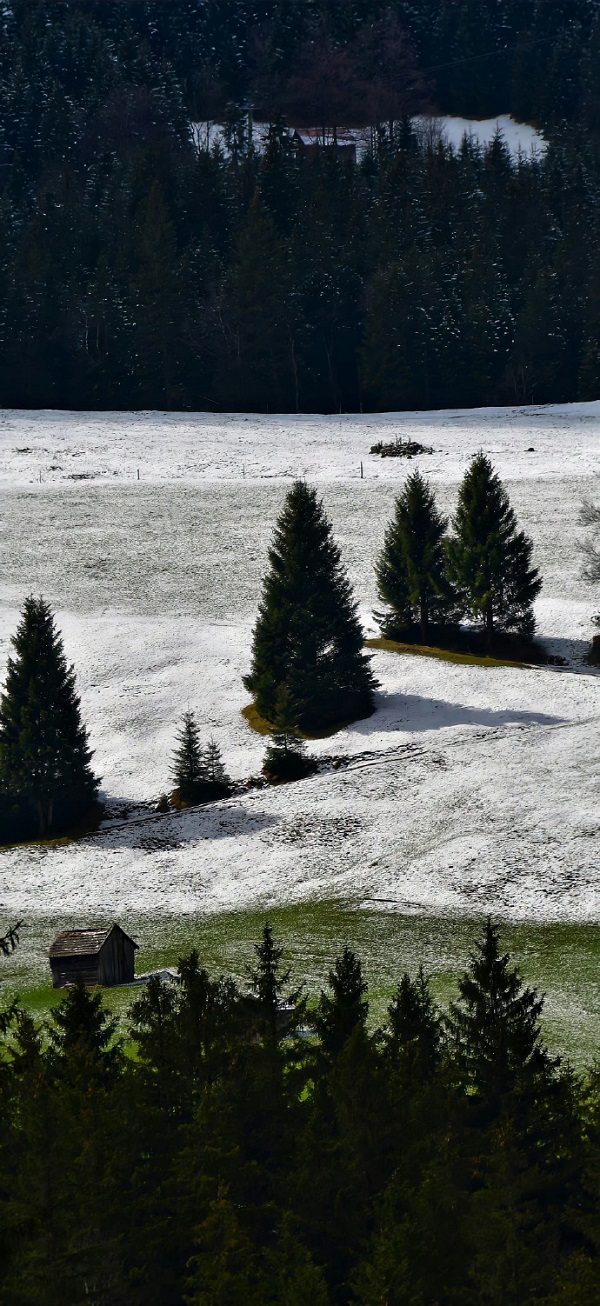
469, 790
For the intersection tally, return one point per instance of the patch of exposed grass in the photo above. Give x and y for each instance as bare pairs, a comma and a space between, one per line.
263, 727
442, 654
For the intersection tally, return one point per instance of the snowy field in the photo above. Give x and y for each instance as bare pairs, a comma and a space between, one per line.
470, 789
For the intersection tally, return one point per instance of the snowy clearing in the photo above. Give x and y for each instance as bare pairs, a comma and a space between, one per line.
519, 137
469, 790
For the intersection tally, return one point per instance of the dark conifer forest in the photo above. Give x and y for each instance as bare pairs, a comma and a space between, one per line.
236, 1146
140, 267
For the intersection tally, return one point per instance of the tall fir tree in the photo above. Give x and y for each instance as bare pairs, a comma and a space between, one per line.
44, 753
415, 1022
489, 559
345, 1007
267, 984
188, 769
308, 635
495, 1025
411, 573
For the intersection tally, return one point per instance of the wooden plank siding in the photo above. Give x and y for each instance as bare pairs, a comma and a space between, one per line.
94, 956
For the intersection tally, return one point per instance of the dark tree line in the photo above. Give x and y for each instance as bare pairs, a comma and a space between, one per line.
440, 1159
138, 270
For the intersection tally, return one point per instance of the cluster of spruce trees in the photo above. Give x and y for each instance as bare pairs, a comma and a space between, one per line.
483, 570
198, 772
309, 670
138, 269
221, 1159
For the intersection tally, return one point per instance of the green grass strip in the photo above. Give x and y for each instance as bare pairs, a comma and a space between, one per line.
442, 654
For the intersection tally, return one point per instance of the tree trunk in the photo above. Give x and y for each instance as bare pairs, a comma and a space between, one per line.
424, 622
41, 816
45, 811
489, 627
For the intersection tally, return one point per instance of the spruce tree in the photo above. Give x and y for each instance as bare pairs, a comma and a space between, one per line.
215, 767
410, 572
267, 982
489, 560
308, 635
495, 1026
339, 1014
188, 770
44, 754
285, 758
413, 1020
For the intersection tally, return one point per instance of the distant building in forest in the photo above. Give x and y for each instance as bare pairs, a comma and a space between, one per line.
96, 956
311, 139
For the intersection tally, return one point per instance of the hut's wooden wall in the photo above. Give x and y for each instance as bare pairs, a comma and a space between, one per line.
117, 959
67, 970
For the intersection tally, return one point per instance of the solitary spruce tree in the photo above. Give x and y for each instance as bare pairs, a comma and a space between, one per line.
489, 560
44, 753
308, 635
411, 571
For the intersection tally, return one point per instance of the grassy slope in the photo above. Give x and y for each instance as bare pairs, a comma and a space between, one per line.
560, 959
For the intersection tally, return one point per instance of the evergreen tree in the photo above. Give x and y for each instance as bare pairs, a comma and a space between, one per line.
411, 569
489, 560
308, 635
189, 770
82, 1032
267, 983
44, 754
495, 1026
215, 767
413, 1020
340, 1012
285, 758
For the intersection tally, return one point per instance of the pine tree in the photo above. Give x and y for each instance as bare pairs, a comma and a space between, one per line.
44, 754
215, 768
413, 1020
188, 770
489, 560
495, 1026
411, 569
285, 758
308, 635
267, 983
82, 1035
339, 1014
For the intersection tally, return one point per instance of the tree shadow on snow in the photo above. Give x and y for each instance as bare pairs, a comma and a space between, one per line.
410, 712
575, 652
176, 829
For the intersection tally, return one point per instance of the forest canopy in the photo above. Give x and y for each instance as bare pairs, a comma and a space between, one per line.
144, 266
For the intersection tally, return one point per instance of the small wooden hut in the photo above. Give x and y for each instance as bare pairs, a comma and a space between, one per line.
96, 956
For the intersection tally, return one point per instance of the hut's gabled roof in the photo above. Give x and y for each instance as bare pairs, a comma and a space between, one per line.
83, 943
